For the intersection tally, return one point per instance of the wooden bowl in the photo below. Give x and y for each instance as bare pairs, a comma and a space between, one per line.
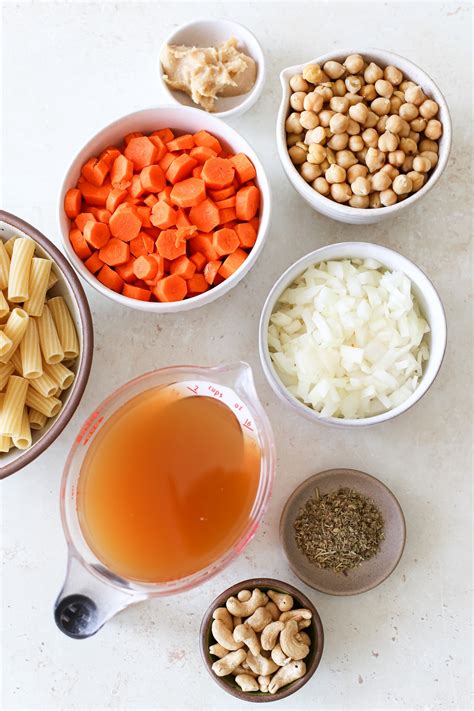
315, 631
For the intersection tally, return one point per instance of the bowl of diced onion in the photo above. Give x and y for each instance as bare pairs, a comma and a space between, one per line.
352, 334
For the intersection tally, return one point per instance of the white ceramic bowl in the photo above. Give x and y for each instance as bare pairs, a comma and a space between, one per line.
205, 33
182, 119
345, 213
424, 291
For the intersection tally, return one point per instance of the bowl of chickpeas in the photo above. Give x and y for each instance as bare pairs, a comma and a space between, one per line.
362, 134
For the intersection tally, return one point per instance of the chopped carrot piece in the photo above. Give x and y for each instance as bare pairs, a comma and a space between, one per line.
171, 288
138, 247
217, 195
247, 203
150, 200
125, 223
211, 269
247, 234
72, 202
255, 222
188, 193
97, 234
218, 280
133, 201
165, 194
125, 271
100, 214
203, 243
227, 202
153, 178
94, 195
129, 136
79, 244
141, 151
166, 134
160, 146
95, 171
136, 188
153, 232
115, 252
109, 278
180, 168
109, 155
82, 219
145, 267
166, 160
94, 263
202, 153
227, 215
232, 263
136, 292
244, 167
183, 267
203, 138
197, 284
199, 260
166, 245
181, 143
121, 173
218, 173
182, 220
148, 241
144, 213
225, 241
115, 198
205, 216
230, 225
163, 215
197, 172
160, 262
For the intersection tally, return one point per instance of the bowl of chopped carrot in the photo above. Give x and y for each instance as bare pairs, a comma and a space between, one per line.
165, 209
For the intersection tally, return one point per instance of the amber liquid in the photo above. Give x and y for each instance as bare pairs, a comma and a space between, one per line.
167, 486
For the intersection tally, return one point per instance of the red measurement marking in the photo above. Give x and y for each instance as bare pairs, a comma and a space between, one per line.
86, 426
215, 391
247, 424
237, 406
193, 390
92, 430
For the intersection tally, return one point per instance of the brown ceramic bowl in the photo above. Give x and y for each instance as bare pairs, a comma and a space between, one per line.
315, 631
70, 288
372, 572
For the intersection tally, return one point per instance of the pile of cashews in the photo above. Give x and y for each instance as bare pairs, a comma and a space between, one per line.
260, 640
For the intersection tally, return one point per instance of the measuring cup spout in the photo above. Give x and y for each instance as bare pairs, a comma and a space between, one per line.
238, 376
86, 601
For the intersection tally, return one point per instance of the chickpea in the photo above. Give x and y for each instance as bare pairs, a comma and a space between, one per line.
353, 98
388, 197
297, 83
393, 75
338, 123
394, 124
296, 100
391, 171
339, 88
414, 95
405, 129
361, 155
396, 158
380, 106
381, 123
414, 136
359, 113
418, 124
360, 201
427, 145
408, 111
374, 200
325, 117
339, 104
346, 159
432, 157
408, 146
314, 74
316, 135
421, 164
339, 141
374, 159
313, 102
380, 181
353, 84
371, 119
370, 137
402, 185
353, 128
433, 129
297, 155
293, 138
384, 88
400, 95
407, 164
341, 192
293, 124
395, 103
334, 70
388, 142
361, 186
310, 172
331, 156
324, 91
406, 85
417, 180
309, 120
322, 186
356, 171
429, 109
325, 165
372, 73
317, 152
354, 64
356, 143
335, 174
368, 92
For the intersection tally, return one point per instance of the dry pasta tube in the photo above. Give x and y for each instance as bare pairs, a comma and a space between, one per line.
23, 439
49, 339
6, 369
49, 406
5, 344
9, 245
62, 376
37, 419
4, 307
5, 440
64, 326
45, 385
53, 279
13, 404
20, 267
15, 329
31, 362
4, 266
39, 277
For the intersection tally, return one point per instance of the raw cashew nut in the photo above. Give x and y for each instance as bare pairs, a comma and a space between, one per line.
270, 634
223, 636
287, 674
263, 682
279, 656
283, 601
243, 670
289, 644
301, 613
273, 610
222, 614
261, 665
244, 595
260, 619
244, 609
246, 634
218, 650
227, 664
247, 682
236, 622
303, 637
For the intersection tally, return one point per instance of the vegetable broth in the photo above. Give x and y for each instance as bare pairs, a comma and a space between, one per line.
167, 486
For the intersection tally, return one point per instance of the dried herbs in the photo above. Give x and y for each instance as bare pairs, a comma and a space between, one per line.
339, 530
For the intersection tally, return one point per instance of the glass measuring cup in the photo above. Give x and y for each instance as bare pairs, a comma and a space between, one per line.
92, 593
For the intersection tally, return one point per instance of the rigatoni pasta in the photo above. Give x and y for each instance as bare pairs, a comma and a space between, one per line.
64, 326
31, 362
5, 344
4, 266
13, 404
37, 419
39, 278
22, 440
15, 329
20, 267
4, 307
51, 347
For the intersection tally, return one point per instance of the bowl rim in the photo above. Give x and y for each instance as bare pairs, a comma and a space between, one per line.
85, 359
250, 98
262, 583
217, 291
312, 196
298, 267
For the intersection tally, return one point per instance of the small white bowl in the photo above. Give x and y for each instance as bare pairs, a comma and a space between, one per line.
428, 299
206, 33
345, 213
183, 120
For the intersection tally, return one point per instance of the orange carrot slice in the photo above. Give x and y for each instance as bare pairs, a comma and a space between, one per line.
203, 138
109, 278
171, 288
247, 202
72, 202
205, 216
188, 193
218, 173
232, 263
141, 151
180, 168
125, 224
247, 234
167, 247
97, 234
136, 292
153, 178
163, 215
115, 252
225, 241
121, 173
211, 269
244, 167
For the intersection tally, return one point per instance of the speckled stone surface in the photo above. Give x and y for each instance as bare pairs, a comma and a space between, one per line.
70, 68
